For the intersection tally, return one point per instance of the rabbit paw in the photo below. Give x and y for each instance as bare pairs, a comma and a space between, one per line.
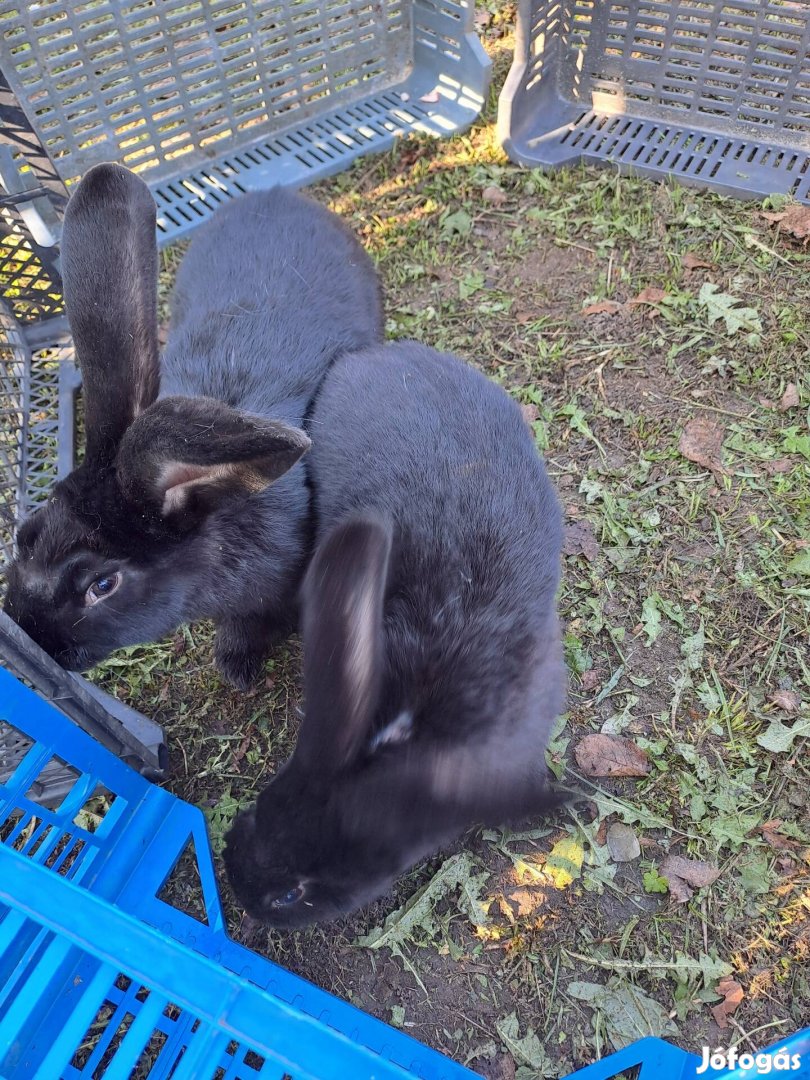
239, 667
241, 648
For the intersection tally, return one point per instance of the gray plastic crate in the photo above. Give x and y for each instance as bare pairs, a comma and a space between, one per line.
205, 99
713, 94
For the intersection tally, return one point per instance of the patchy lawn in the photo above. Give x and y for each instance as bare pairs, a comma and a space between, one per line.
659, 340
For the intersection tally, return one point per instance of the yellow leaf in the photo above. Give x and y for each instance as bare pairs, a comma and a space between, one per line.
564, 864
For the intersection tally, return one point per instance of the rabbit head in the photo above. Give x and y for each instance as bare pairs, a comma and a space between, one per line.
113, 558
363, 796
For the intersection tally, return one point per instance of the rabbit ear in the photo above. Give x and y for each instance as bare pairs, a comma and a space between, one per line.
110, 267
423, 795
343, 642
182, 457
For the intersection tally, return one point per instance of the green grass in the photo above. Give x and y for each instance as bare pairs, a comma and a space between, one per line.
685, 599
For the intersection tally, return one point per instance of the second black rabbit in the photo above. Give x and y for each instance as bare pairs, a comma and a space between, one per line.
433, 667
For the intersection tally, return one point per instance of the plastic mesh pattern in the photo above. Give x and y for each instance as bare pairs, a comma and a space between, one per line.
104, 973
149, 83
713, 93
29, 282
15, 378
32, 407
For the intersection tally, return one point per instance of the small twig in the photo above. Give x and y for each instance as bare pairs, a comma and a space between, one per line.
743, 1033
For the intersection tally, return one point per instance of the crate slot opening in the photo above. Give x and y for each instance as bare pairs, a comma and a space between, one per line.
183, 889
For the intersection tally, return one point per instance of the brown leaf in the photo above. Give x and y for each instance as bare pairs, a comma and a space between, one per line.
773, 838
494, 195
524, 901
580, 540
591, 679
780, 465
681, 873
483, 19
604, 307
530, 413
650, 295
794, 220
622, 842
601, 833
786, 700
501, 1067
610, 755
766, 402
701, 441
732, 997
691, 261
790, 398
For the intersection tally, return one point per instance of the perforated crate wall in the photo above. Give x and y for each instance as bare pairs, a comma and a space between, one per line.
101, 973
36, 418
713, 94
206, 98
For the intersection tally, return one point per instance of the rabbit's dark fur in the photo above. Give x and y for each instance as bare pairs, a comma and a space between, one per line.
194, 505
433, 667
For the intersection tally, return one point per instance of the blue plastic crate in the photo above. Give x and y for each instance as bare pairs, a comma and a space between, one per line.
100, 976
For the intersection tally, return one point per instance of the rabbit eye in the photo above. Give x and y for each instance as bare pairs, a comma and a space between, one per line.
102, 588
291, 897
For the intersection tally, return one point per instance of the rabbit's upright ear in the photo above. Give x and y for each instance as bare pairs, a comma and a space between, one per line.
110, 267
342, 595
183, 457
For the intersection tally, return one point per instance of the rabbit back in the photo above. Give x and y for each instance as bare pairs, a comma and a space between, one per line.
426, 441
271, 290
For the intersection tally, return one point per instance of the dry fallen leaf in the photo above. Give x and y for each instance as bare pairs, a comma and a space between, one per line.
775, 839
794, 220
610, 755
681, 873
604, 307
525, 900
732, 996
483, 19
691, 261
494, 195
786, 700
650, 295
591, 679
766, 402
790, 398
622, 843
701, 441
501, 1067
779, 465
580, 539
530, 413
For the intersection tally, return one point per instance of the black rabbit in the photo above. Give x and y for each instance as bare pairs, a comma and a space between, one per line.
190, 502
433, 666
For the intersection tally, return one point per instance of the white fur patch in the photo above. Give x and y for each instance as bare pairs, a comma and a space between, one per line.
398, 731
